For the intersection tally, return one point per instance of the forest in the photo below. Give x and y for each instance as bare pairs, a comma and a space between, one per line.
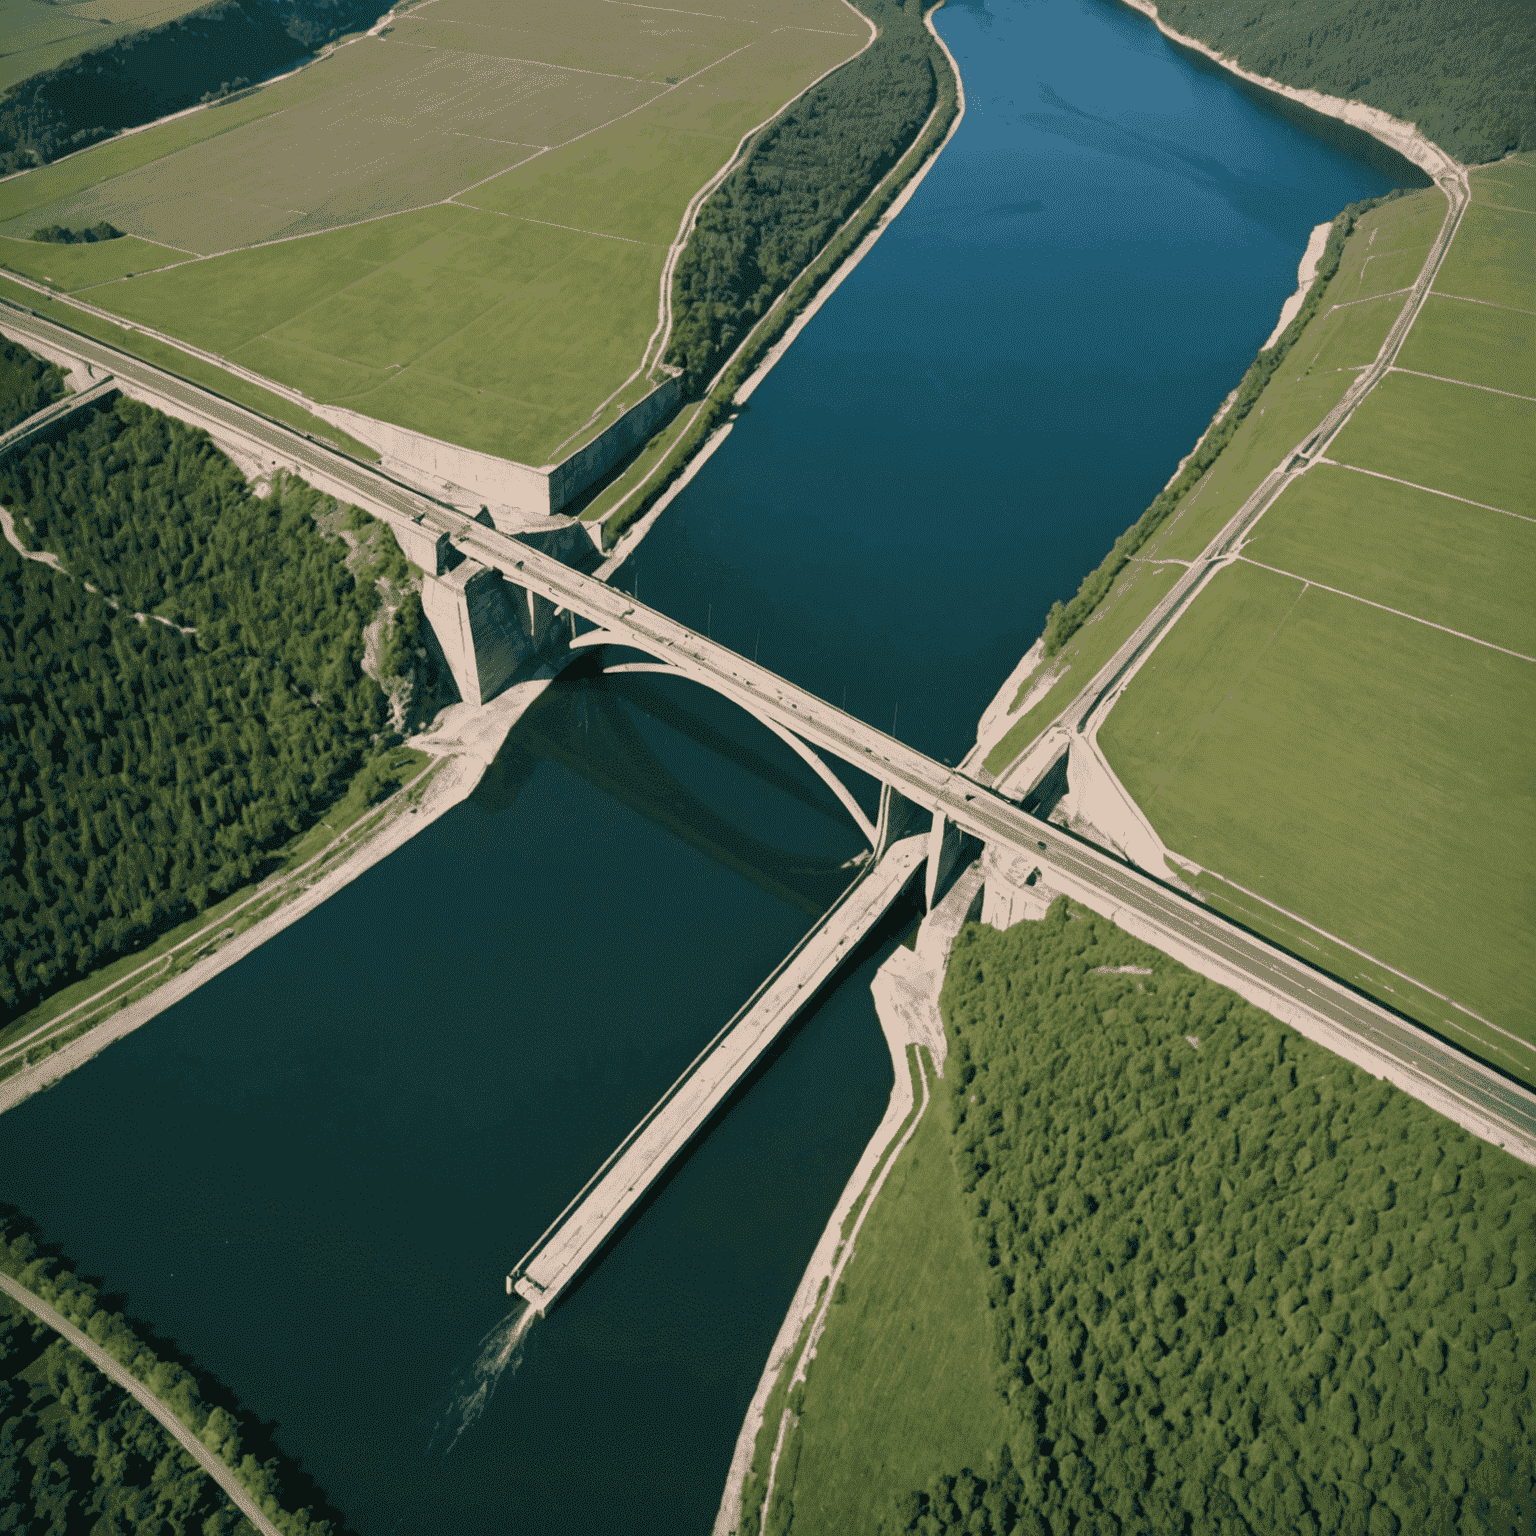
1236, 1284
798, 183
79, 1455
1065, 619
164, 69
149, 768
1463, 70
27, 384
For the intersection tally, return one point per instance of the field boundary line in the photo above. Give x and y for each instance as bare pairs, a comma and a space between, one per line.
1413, 485
1369, 299
1504, 207
234, 1490
1418, 373
1514, 309
1354, 949
1323, 586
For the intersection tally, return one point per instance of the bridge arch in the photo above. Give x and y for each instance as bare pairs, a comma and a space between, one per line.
872, 831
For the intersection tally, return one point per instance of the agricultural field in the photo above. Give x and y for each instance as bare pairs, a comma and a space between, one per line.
459, 225
42, 33
1203, 1275
1342, 723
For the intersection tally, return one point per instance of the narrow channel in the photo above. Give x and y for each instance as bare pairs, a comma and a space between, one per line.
336, 1149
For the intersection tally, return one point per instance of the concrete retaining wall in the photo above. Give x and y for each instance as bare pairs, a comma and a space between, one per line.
504, 485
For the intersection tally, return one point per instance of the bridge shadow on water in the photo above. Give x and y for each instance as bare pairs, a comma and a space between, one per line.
591, 725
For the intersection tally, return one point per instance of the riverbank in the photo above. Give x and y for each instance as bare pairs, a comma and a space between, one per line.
629, 508
906, 994
125, 996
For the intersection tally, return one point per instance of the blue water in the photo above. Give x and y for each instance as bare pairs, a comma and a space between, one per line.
1011, 375
313, 1174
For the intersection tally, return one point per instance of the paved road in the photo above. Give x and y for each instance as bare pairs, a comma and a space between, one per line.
141, 1394
1474, 1096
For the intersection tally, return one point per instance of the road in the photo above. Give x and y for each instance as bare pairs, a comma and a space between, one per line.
141, 1394
1476, 1097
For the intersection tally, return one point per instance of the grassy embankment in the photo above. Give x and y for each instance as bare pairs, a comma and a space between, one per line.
1126, 1280
1344, 720
493, 279
78, 1453
156, 768
1368, 261
40, 37
740, 286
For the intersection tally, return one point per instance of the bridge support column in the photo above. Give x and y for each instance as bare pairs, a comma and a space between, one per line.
895, 816
477, 626
943, 850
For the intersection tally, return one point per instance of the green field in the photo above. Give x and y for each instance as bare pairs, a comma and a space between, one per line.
1380, 253
1509, 184
39, 34
1490, 258
911, 1335
1441, 560
1474, 342
1450, 437
1361, 770
458, 226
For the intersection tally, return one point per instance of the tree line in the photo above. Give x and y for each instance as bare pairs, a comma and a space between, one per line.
797, 184
1065, 619
1236, 1284
164, 69
78, 1454
27, 384
1464, 72
149, 769
60, 234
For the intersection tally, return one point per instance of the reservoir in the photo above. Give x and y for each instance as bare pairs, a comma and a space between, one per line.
313, 1174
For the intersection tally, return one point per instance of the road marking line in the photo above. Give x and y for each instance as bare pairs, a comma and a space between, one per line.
1415, 486
1355, 597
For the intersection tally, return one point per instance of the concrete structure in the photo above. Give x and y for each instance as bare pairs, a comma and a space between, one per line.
1015, 890
505, 486
1315, 1004
600, 1207
51, 415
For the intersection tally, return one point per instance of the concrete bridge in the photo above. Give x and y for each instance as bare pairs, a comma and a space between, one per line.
52, 415
496, 594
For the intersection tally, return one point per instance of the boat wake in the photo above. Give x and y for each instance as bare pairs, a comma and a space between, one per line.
475, 1384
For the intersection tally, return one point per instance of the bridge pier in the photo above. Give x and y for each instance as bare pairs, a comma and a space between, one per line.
486, 625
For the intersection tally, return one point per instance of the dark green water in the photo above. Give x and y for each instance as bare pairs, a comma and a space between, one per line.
313, 1174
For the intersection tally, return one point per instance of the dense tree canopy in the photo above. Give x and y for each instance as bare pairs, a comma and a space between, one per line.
78, 1454
164, 69
1237, 1284
27, 384
145, 770
1463, 70
797, 184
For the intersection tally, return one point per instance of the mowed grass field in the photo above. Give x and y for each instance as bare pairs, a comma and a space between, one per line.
1345, 720
1364, 298
458, 226
901, 1387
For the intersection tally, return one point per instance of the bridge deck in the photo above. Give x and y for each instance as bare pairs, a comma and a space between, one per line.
645, 1154
1484, 1102
24, 431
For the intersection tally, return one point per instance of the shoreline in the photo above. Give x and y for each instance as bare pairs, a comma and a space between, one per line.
464, 746
629, 540
1397, 135
906, 995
